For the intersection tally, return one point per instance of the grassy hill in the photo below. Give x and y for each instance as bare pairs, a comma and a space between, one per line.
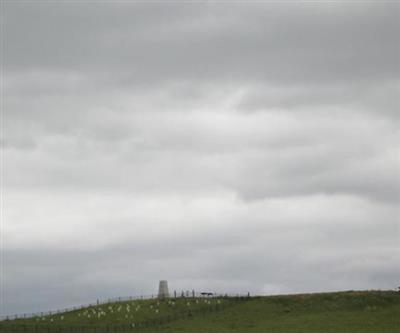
342, 312
348, 312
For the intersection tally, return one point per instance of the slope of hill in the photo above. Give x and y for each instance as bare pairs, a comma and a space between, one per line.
342, 312
346, 312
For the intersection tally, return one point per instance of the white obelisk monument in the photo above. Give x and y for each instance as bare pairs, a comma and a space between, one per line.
163, 289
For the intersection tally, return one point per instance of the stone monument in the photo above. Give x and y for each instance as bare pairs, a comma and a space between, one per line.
163, 289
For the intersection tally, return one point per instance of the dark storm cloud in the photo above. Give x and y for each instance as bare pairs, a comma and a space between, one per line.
186, 139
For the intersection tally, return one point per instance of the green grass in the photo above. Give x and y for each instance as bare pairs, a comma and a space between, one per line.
342, 312
130, 313
349, 312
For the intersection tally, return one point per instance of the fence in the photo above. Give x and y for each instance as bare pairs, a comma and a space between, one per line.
175, 294
74, 308
10, 326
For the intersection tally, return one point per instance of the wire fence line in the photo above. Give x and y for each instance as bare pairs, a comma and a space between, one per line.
10, 326
175, 294
74, 308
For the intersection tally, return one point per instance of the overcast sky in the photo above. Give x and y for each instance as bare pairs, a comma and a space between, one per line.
226, 147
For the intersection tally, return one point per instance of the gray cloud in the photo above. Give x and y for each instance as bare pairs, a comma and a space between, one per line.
272, 42
319, 254
181, 141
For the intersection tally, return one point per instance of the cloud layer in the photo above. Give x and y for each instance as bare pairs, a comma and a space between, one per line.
242, 147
